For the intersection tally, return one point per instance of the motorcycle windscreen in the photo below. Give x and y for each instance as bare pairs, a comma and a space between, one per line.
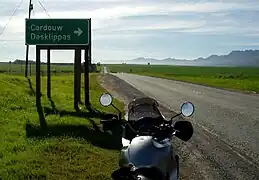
143, 107
144, 100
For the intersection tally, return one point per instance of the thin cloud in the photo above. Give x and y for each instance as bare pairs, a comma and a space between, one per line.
249, 44
125, 24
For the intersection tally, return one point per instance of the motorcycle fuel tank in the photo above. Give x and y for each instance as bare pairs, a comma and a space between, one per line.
142, 152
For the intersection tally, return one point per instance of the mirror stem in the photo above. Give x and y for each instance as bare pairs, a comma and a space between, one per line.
176, 115
118, 111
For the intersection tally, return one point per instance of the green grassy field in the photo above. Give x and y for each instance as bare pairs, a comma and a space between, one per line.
55, 69
73, 146
20, 68
238, 78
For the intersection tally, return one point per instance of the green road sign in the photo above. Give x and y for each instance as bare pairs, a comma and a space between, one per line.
57, 31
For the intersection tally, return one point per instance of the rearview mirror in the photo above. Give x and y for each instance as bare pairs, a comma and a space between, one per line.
187, 109
106, 99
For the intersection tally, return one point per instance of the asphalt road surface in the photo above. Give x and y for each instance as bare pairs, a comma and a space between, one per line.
230, 119
105, 70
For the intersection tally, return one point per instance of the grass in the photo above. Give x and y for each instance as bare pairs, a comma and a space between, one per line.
238, 78
73, 146
56, 69
20, 68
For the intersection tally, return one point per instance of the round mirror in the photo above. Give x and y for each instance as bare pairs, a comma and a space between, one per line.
187, 109
106, 99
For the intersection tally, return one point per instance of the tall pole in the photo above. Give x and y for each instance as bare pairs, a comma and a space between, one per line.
90, 42
87, 64
38, 78
27, 46
77, 78
48, 74
10, 68
86, 78
30, 69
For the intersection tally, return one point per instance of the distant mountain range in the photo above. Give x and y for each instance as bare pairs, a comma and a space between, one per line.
235, 58
19, 61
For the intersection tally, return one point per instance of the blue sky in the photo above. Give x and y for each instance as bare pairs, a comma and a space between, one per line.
126, 29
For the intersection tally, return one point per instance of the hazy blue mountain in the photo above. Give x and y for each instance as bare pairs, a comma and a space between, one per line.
235, 58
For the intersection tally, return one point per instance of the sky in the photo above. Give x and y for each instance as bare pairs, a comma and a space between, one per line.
127, 29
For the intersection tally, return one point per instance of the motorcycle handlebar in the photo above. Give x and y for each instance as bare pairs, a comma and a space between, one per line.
163, 129
159, 132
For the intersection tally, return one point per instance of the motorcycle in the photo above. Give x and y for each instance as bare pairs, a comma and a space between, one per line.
147, 152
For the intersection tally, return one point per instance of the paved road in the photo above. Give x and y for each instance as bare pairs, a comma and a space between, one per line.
229, 116
105, 70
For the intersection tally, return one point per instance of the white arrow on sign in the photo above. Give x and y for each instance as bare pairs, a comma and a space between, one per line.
78, 31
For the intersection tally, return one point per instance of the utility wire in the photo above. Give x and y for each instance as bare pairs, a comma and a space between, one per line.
2, 31
5, 26
43, 8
